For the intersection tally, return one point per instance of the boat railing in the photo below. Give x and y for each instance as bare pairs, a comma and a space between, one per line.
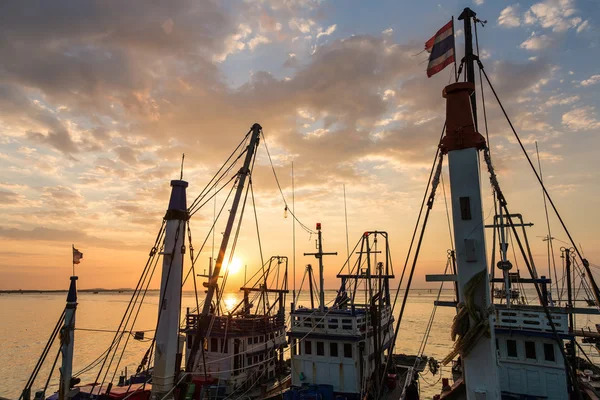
239, 326
515, 318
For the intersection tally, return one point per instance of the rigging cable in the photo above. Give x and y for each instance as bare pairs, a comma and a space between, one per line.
549, 238
306, 228
434, 185
134, 295
206, 188
564, 226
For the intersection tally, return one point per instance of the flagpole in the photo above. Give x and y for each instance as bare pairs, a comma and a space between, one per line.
454, 50
73, 259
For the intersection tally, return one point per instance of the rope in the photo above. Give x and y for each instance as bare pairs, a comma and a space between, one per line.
134, 295
206, 188
564, 226
468, 335
434, 185
502, 201
306, 228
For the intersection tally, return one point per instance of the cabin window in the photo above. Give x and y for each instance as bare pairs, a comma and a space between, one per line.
249, 340
530, 350
348, 350
511, 348
549, 352
255, 359
262, 338
307, 347
308, 323
347, 324
214, 345
261, 357
332, 323
320, 348
294, 349
333, 349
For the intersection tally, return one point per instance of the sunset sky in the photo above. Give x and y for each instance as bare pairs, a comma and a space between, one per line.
98, 100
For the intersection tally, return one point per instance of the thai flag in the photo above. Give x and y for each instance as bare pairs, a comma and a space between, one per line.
77, 256
441, 49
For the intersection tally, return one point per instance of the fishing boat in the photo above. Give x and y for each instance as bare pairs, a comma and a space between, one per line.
508, 349
215, 353
339, 348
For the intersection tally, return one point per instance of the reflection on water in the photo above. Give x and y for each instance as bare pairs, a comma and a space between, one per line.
27, 320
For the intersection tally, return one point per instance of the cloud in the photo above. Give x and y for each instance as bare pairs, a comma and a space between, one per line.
580, 119
234, 43
327, 31
58, 235
561, 100
301, 24
7, 197
291, 61
535, 43
585, 25
509, 17
559, 15
592, 80
258, 40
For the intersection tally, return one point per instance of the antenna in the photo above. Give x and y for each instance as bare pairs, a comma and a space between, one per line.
549, 237
293, 235
347, 243
182, 158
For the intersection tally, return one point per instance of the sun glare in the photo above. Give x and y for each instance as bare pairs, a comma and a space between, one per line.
235, 266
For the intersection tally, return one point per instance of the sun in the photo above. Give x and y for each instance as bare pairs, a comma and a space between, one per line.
235, 266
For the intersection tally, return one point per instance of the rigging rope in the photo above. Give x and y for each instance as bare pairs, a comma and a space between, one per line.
434, 184
306, 228
206, 188
564, 226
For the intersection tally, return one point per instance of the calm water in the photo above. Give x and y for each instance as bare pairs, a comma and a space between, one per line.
27, 320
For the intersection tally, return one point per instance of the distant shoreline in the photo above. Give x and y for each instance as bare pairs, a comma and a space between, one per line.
30, 291
124, 290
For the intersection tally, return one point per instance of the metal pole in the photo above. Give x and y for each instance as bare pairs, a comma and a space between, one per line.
243, 174
469, 58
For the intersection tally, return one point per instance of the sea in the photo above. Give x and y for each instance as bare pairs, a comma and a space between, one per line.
26, 321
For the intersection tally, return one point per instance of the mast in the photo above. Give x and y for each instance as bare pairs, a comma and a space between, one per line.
462, 144
212, 285
67, 335
167, 332
319, 255
242, 174
469, 58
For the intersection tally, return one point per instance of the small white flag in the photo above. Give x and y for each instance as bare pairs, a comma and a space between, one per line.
77, 256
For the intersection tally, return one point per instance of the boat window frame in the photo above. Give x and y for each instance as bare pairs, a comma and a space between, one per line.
348, 346
529, 346
333, 345
551, 347
321, 346
516, 348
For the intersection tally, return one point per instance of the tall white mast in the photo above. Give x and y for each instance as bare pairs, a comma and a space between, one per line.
462, 144
167, 332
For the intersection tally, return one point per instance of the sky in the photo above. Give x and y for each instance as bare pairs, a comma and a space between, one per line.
99, 100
